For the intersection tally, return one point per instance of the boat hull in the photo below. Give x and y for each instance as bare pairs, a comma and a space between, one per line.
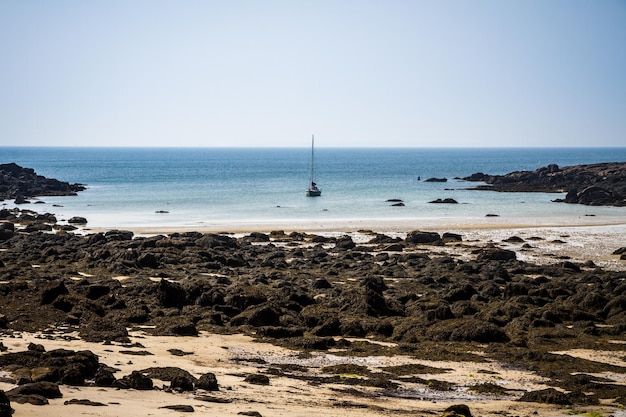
313, 193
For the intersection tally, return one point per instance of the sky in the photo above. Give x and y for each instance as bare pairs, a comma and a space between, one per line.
356, 73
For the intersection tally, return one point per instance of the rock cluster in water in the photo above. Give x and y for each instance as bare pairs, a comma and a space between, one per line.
20, 184
592, 184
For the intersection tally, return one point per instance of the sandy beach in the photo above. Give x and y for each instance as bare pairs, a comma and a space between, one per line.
304, 382
231, 357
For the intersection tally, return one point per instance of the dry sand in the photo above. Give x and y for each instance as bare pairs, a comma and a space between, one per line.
231, 358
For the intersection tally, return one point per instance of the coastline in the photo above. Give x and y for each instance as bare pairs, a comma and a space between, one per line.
585, 240
393, 225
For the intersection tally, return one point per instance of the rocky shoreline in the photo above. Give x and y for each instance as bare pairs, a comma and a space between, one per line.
387, 296
20, 184
592, 184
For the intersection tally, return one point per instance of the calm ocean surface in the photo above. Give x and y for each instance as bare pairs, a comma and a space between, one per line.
214, 186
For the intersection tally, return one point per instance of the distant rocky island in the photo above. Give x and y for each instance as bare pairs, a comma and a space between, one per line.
20, 184
602, 184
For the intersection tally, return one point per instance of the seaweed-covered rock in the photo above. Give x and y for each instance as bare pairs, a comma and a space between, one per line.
44, 389
421, 237
548, 396
100, 329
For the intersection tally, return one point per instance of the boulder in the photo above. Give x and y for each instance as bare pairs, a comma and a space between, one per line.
43, 389
345, 243
7, 230
182, 383
457, 410
208, 382
495, 254
593, 196
136, 380
5, 405
420, 237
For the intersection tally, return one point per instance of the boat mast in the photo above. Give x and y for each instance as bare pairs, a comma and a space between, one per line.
312, 155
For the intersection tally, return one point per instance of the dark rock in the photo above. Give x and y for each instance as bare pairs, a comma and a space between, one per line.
395, 247
100, 329
420, 237
137, 380
176, 326
52, 291
7, 230
180, 408
213, 399
168, 373
90, 403
21, 182
182, 383
36, 347
257, 237
494, 254
345, 243
594, 196
96, 291
601, 184
321, 283
514, 239
257, 379
5, 405
620, 251
257, 316
20, 199
451, 237
33, 399
148, 260
457, 410
436, 180
444, 201
77, 220
547, 396
104, 377
171, 294
44, 389
208, 382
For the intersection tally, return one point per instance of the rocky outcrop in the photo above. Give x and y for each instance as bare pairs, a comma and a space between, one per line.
592, 184
19, 184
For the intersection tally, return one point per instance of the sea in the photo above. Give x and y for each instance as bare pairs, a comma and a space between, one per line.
204, 188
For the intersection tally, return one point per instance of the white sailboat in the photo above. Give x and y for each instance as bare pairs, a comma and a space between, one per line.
313, 190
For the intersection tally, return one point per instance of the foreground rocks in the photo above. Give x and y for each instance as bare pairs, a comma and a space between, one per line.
592, 184
307, 292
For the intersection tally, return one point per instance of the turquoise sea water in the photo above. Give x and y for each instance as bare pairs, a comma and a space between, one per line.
214, 186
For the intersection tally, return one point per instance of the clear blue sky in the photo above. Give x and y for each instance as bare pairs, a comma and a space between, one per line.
352, 72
